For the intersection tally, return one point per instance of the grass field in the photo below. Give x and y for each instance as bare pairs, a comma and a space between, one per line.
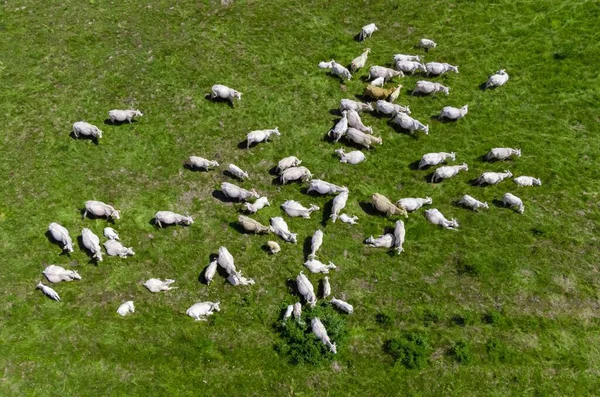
508, 305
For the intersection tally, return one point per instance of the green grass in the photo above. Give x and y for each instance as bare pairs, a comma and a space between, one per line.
519, 293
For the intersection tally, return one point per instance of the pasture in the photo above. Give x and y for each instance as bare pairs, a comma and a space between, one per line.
506, 305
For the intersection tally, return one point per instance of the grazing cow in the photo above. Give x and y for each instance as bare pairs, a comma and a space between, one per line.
343, 306
399, 234
273, 247
527, 181
428, 87
451, 113
406, 122
157, 285
237, 193
353, 157
410, 66
126, 308
100, 209
260, 203
375, 92
49, 292
210, 271
280, 228
390, 109
61, 235
226, 261
378, 82
261, 136
354, 121
383, 204
81, 128
295, 173
237, 172
92, 243
236, 279
336, 69
367, 31
326, 287
427, 43
360, 61
430, 159
319, 330
223, 92
352, 220
288, 162
349, 104
295, 209
315, 243
340, 128
197, 162
360, 138
288, 312
437, 68
306, 289
384, 241
56, 274
386, 73
297, 311
502, 153
403, 57
497, 79
492, 178
316, 266
123, 115
510, 200
411, 204
472, 203
322, 187
339, 202
170, 217
115, 248
448, 171
434, 216
111, 233
199, 311
252, 225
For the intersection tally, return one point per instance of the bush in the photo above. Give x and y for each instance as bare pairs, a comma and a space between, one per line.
411, 350
302, 346
461, 352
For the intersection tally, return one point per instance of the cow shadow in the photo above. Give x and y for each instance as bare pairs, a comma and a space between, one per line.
244, 144
273, 170
473, 182
369, 208
483, 87
429, 178
327, 207
118, 123
230, 175
292, 286
395, 127
95, 141
209, 98
443, 120
219, 195
307, 247
83, 248
190, 167
58, 243
335, 112
91, 216
414, 166
239, 228
498, 203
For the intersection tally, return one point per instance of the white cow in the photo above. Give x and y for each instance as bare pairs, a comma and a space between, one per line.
319, 330
273, 247
56, 274
237, 172
360, 138
399, 234
169, 217
359, 61
430, 159
342, 305
81, 128
502, 153
497, 79
452, 113
437, 68
322, 187
448, 171
315, 243
115, 248
225, 260
349, 104
111, 233
281, 229
510, 200
472, 203
408, 123
411, 204
390, 109
49, 292
92, 243
326, 287
493, 178
527, 181
434, 216
378, 82
386, 73
367, 31
210, 271
316, 266
236, 279
306, 289
340, 128
339, 202
348, 219
295, 209
288, 162
410, 66
428, 87
340, 71
354, 121
384, 241
403, 57
288, 312
260, 203
100, 209
61, 235
235, 192
157, 285
199, 311
353, 157
261, 136
427, 43
297, 311
126, 308
223, 92
295, 173
123, 115
200, 163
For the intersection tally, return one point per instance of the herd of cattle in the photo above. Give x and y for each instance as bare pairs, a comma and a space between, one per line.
289, 169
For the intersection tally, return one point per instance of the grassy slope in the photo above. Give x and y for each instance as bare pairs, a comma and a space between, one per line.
74, 61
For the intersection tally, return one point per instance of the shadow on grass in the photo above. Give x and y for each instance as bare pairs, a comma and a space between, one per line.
95, 141
209, 98
118, 123
306, 247
335, 112
482, 86
230, 175
293, 287
273, 170
190, 167
436, 117
89, 215
499, 203
327, 207
414, 166
369, 209
401, 130
219, 195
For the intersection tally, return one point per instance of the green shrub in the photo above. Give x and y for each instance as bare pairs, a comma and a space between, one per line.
461, 352
411, 350
301, 345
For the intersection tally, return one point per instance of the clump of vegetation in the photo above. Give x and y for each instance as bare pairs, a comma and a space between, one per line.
411, 350
461, 352
496, 350
431, 317
384, 320
493, 317
301, 345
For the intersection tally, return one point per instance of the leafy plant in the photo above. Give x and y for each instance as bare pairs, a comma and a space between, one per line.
461, 352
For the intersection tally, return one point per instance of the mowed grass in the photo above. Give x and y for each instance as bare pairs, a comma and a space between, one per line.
521, 291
